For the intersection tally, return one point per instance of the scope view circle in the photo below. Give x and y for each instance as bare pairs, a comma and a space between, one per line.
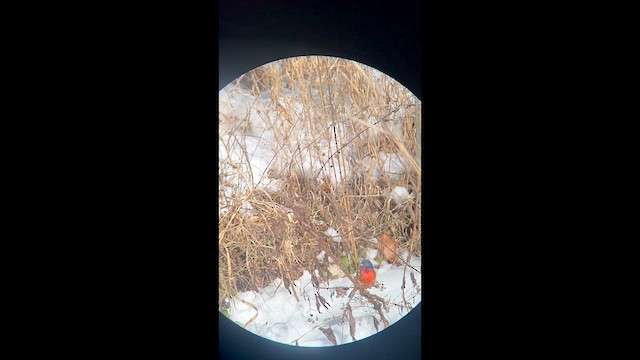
319, 201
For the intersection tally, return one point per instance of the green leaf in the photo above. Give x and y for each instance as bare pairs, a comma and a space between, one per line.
345, 261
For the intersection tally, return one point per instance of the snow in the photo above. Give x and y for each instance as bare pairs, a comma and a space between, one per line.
283, 319
251, 158
333, 234
400, 195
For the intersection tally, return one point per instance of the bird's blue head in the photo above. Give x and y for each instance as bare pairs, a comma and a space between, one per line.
366, 265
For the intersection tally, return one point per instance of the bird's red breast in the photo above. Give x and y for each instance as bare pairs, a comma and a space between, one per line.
367, 278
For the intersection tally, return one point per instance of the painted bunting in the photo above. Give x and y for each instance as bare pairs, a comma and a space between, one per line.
367, 274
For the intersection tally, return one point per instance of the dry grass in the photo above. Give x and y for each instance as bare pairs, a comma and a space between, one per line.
352, 121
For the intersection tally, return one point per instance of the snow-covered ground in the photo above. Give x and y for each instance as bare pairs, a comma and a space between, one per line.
280, 317
251, 157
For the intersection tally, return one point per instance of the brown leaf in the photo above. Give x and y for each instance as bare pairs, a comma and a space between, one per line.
314, 280
252, 306
413, 280
376, 323
386, 323
388, 246
326, 185
286, 284
318, 304
330, 335
323, 301
352, 323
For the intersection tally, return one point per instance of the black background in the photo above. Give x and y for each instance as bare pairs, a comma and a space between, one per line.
127, 169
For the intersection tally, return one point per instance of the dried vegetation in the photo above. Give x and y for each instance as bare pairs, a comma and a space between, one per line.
336, 130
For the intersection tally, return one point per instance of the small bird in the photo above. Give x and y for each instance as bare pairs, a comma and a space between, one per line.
367, 274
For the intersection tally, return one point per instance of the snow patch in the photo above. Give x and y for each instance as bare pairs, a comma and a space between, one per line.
333, 234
